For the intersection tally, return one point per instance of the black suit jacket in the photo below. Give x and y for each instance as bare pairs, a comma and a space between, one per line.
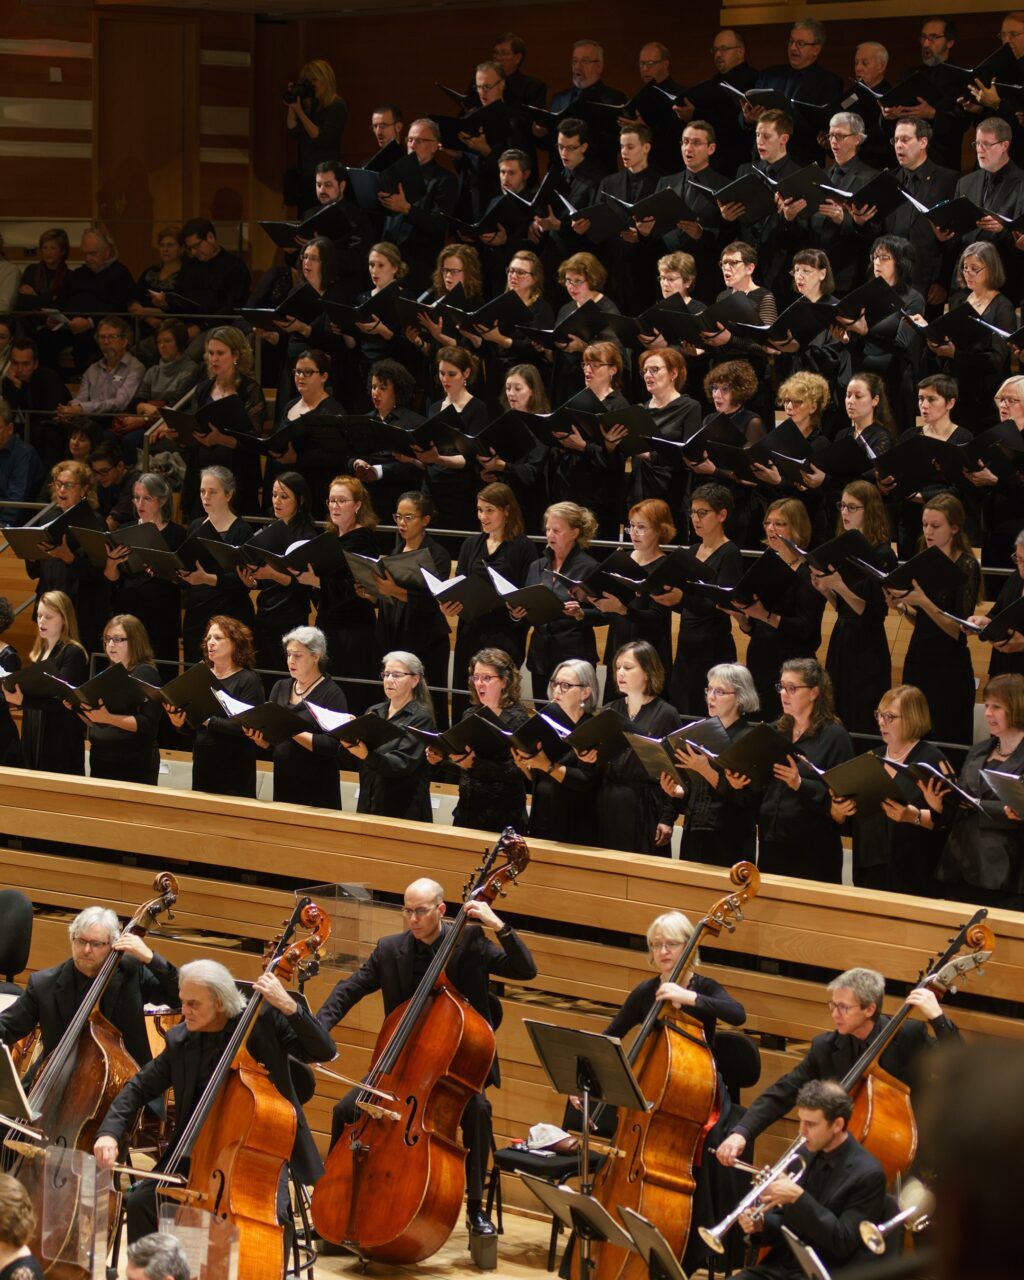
842, 1189
1006, 198
272, 1040
49, 1003
815, 85
929, 183
845, 242
389, 970
604, 134
420, 232
831, 1056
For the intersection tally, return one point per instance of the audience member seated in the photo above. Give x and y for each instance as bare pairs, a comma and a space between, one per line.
108, 386
45, 281
101, 286
31, 389
113, 485
159, 277
9, 277
211, 280
21, 471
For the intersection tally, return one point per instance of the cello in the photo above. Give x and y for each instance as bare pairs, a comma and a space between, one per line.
242, 1131
676, 1073
395, 1179
82, 1076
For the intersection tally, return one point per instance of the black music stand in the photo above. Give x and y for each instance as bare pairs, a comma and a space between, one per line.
596, 1067
15, 1111
810, 1264
662, 1263
581, 1213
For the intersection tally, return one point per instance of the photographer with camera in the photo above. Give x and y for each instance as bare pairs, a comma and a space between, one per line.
317, 117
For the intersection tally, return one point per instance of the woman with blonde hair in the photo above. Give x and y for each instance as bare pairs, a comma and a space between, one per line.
52, 737
316, 118
17, 1226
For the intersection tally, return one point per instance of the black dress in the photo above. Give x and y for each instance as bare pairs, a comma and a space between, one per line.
394, 781
320, 450
705, 631
630, 805
308, 777
980, 368
999, 663
154, 601
86, 586
124, 755
592, 478
719, 823
798, 635
347, 620
900, 856
454, 490
940, 665
279, 607
664, 474
242, 462
553, 642
644, 618
492, 794
52, 737
797, 834
742, 427
223, 758
858, 650
565, 811
228, 596
10, 743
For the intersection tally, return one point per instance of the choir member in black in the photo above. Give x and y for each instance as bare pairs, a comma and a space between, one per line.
502, 545
650, 526
719, 820
17, 1228
452, 479
1007, 655
588, 471
457, 267
216, 590
211, 1005
855, 1007
124, 747
563, 805
392, 388
804, 397
154, 601
799, 823
869, 414
892, 348
794, 629
899, 848
524, 391
306, 765
568, 529
983, 860
318, 263
376, 341
228, 366
10, 661
632, 811
658, 472
1003, 496
344, 617
396, 968
980, 367
52, 737
502, 353
282, 602
492, 793
583, 279
223, 758
938, 660
315, 448
858, 659
394, 781
823, 353
705, 632
729, 387
66, 567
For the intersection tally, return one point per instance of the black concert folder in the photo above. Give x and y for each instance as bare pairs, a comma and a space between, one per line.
657, 755
363, 434
228, 556
768, 579
506, 312
877, 299
367, 184
801, 320
846, 458
838, 551
1000, 448
604, 732
545, 198
864, 779
474, 592
918, 461
958, 214
192, 691
323, 554
508, 437
542, 733
999, 626
932, 569
184, 425
329, 220
756, 754
96, 542
509, 213
1008, 787
810, 184
114, 688
403, 567
373, 731
924, 772
585, 322
961, 326
479, 733
168, 564
928, 83
276, 722
654, 754
884, 194
540, 602
37, 680
380, 306
29, 542
492, 121
754, 192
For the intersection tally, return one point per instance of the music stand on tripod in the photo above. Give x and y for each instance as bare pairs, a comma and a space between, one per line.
595, 1067
653, 1248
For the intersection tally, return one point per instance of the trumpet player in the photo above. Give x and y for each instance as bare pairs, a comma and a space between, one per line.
840, 1186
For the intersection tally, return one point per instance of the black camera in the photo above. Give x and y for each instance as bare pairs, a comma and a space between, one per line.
298, 89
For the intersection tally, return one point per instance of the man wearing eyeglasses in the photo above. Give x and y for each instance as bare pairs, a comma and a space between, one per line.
587, 67
836, 231
800, 79
52, 997
396, 967
997, 186
718, 106
855, 1003
929, 183
941, 90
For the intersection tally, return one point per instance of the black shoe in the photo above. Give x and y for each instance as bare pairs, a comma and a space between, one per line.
479, 1224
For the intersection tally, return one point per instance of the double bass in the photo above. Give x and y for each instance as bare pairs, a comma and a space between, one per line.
395, 1179
241, 1133
676, 1073
76, 1084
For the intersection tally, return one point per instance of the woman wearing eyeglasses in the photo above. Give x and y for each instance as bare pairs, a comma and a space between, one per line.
1002, 495
492, 792
798, 822
858, 660
719, 820
1007, 655
899, 848
525, 278
316, 448
394, 781
124, 747
563, 788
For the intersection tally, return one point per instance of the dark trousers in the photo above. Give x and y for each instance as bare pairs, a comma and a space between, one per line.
476, 1136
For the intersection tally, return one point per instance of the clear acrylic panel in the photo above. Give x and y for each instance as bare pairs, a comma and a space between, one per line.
350, 908
210, 1244
76, 1210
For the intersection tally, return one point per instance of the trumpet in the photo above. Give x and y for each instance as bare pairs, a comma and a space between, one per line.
763, 1178
916, 1204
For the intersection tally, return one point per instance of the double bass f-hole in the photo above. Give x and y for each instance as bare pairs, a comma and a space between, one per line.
218, 1180
410, 1139
636, 1164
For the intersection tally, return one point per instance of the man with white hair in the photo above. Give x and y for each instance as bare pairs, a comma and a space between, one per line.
870, 65
212, 1005
838, 235
52, 997
157, 1256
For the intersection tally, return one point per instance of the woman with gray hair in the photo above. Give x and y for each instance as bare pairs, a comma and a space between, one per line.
394, 779
306, 764
719, 821
154, 601
211, 589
